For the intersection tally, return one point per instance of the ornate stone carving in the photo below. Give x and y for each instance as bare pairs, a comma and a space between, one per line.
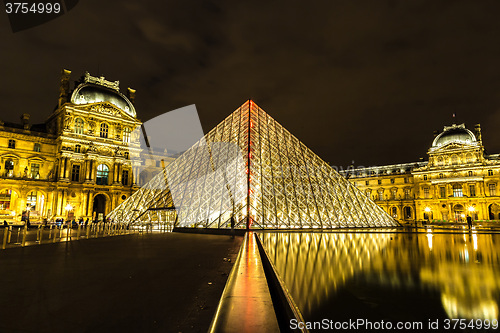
101, 81
105, 108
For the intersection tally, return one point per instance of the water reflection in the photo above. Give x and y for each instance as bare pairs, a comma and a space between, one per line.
456, 273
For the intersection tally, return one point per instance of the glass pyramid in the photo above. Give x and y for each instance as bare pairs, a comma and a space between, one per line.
252, 169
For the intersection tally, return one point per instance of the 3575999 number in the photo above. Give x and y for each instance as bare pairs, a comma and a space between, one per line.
35, 8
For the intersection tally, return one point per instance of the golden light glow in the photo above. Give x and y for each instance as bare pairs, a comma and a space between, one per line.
471, 209
427, 209
69, 207
467, 281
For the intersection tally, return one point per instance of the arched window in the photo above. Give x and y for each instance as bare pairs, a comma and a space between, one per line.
31, 200
126, 135
407, 212
454, 159
102, 174
440, 161
79, 126
469, 158
394, 212
104, 130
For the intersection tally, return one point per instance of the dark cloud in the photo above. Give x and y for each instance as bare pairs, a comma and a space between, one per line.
355, 80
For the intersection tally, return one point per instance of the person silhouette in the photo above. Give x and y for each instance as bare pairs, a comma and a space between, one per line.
469, 221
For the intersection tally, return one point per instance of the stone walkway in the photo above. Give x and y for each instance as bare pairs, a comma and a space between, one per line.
134, 283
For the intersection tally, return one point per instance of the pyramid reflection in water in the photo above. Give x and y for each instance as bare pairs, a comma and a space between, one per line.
251, 168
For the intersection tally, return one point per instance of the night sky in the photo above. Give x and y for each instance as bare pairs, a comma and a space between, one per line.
367, 81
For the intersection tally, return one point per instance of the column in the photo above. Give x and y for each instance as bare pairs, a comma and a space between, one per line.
93, 171
87, 169
65, 168
61, 168
88, 203
119, 173
115, 173
83, 200
134, 175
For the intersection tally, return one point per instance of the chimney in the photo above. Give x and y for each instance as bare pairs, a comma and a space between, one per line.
25, 120
131, 95
478, 132
64, 87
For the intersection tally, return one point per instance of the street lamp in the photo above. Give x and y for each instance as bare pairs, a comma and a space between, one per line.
68, 209
428, 211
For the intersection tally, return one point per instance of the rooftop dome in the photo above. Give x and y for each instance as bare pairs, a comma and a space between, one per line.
95, 90
454, 133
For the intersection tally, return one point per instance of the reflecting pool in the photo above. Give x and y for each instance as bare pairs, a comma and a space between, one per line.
389, 276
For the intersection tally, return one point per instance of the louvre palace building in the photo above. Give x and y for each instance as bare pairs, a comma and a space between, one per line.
458, 179
77, 164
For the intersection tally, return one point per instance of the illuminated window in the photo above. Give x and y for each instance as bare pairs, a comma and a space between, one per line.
78, 148
5, 199
35, 170
31, 200
381, 194
394, 193
125, 177
469, 158
440, 161
470, 173
425, 177
126, 135
441, 175
406, 180
104, 130
472, 190
12, 144
442, 192
127, 155
102, 174
426, 192
457, 191
407, 193
454, 159
394, 212
79, 126
493, 189
490, 172
36, 147
75, 173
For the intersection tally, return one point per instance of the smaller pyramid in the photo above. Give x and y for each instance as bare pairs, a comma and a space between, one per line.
251, 170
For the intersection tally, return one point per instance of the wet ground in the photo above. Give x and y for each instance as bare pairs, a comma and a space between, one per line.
132, 283
431, 276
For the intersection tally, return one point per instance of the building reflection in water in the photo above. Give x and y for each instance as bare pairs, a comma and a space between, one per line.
462, 268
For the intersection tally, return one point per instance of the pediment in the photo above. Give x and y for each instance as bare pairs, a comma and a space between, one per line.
452, 146
105, 108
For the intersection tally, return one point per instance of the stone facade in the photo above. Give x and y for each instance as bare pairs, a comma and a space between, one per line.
78, 163
457, 180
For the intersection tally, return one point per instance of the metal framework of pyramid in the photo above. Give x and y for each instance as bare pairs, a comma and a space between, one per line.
252, 170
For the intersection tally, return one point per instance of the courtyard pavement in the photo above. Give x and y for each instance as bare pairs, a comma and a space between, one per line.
160, 282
